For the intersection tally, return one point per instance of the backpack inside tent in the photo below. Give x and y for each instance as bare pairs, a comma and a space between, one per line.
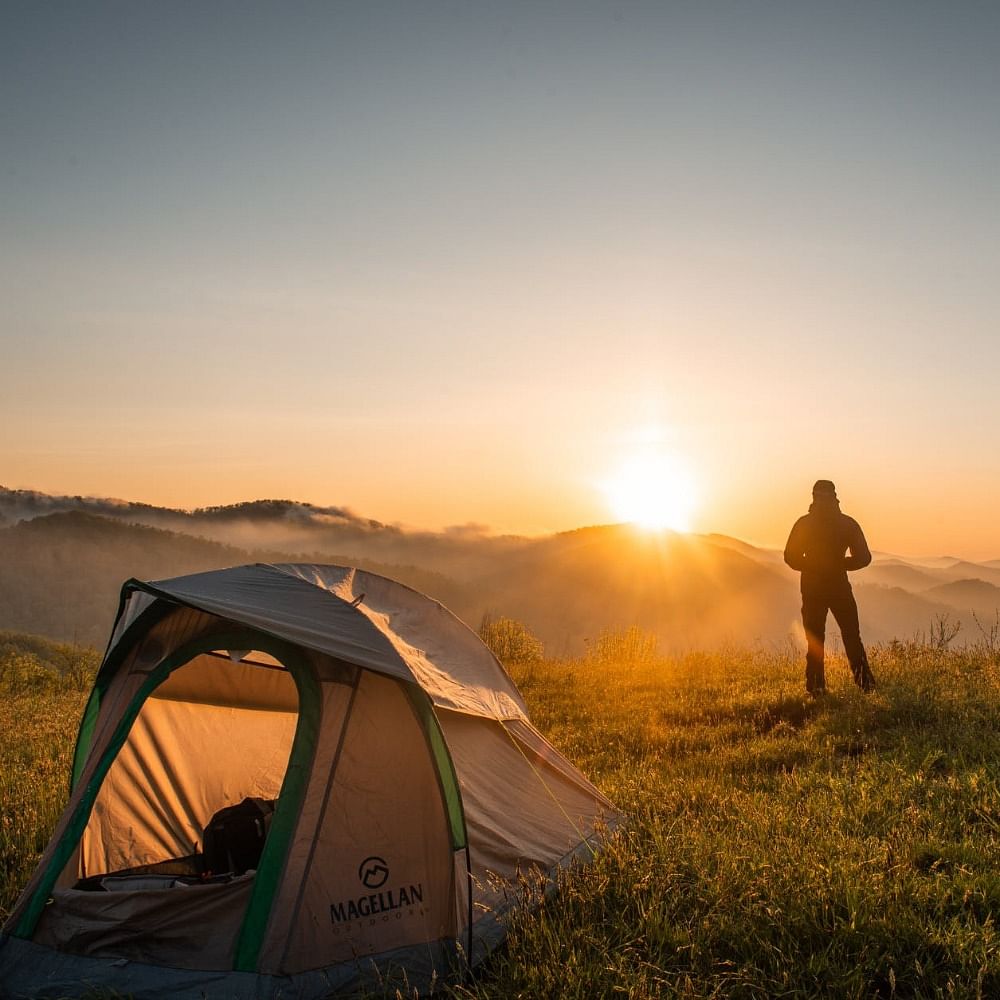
293, 781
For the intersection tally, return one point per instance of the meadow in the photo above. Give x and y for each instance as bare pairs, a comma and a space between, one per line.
774, 845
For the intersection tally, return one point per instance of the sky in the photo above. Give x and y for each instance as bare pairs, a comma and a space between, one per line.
451, 263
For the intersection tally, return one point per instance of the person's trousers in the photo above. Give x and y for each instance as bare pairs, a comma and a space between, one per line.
845, 612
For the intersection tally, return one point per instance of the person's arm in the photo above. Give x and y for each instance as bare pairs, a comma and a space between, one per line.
794, 556
860, 555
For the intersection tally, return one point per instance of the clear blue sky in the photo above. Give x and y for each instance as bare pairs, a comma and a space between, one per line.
448, 262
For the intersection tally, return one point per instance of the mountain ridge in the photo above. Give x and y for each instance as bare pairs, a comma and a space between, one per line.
62, 560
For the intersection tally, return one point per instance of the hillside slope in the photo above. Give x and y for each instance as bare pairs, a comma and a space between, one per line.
63, 559
60, 574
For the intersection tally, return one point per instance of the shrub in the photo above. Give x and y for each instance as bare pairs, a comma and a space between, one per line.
23, 673
30, 664
510, 641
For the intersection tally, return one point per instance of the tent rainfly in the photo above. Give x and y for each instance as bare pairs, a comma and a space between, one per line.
389, 792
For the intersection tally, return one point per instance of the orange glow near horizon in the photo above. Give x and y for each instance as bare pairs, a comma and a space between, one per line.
653, 491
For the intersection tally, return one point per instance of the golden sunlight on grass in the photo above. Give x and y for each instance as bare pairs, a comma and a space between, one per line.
652, 491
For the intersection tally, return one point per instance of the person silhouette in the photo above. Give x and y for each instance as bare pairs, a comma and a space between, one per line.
818, 548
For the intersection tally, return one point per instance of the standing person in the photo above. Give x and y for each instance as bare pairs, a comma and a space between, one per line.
818, 547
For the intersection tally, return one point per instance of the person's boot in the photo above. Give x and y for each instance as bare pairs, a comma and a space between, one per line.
863, 675
867, 677
815, 679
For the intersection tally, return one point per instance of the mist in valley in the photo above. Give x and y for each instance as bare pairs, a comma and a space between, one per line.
63, 560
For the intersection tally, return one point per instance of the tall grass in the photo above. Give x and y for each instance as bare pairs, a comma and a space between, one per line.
43, 686
624, 646
774, 845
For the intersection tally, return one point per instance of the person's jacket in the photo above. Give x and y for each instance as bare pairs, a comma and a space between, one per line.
824, 544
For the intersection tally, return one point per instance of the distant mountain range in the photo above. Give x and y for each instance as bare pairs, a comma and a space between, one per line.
63, 559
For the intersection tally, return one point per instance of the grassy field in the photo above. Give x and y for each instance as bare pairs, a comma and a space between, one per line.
775, 845
43, 687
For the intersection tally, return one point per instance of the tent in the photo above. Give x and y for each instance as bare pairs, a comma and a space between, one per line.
410, 794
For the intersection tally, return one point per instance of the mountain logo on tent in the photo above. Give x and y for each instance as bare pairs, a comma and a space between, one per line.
373, 872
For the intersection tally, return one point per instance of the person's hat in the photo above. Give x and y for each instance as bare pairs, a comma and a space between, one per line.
824, 488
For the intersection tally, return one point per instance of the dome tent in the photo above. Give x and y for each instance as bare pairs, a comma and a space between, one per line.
410, 792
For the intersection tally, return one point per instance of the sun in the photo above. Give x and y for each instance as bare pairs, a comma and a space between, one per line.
653, 491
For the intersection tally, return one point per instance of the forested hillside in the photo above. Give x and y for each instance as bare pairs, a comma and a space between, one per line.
63, 560
60, 575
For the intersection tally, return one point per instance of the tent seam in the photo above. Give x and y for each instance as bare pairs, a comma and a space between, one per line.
334, 765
